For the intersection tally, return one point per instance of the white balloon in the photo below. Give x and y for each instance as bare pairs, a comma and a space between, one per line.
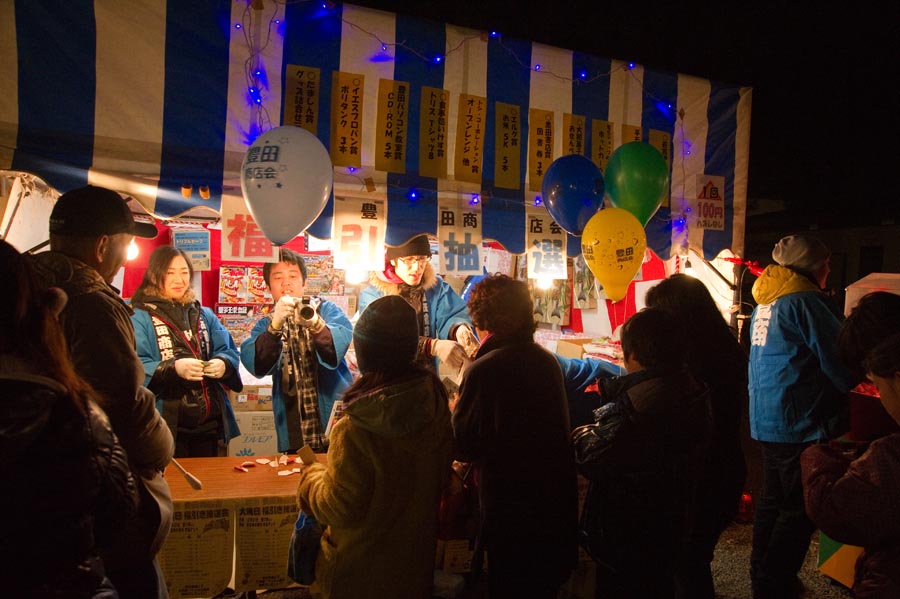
286, 180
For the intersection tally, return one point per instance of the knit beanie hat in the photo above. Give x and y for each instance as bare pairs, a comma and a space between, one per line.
386, 336
417, 246
800, 252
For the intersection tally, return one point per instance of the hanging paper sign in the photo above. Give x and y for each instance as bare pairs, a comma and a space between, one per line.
662, 141
540, 146
194, 243
507, 156
301, 97
390, 128
346, 118
459, 239
545, 245
433, 132
573, 132
601, 142
709, 207
242, 239
470, 138
630, 133
358, 236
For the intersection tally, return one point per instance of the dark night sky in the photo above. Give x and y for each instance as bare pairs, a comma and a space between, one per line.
824, 135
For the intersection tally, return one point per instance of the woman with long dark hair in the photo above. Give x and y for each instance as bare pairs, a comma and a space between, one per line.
67, 485
189, 356
714, 356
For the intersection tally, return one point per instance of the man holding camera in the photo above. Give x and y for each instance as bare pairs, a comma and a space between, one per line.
302, 344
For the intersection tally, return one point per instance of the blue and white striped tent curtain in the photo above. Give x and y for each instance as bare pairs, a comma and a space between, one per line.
146, 96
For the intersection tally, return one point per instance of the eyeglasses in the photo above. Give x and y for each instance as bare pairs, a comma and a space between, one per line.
409, 261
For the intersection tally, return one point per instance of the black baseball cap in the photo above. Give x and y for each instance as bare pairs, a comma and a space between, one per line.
92, 211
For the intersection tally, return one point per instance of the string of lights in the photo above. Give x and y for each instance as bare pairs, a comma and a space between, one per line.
257, 84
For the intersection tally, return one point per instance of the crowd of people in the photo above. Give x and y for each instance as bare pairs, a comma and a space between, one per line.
117, 390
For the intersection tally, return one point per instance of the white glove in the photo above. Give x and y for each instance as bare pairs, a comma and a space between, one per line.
467, 339
215, 368
190, 369
449, 352
283, 309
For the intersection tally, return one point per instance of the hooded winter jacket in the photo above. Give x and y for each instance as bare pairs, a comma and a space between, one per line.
446, 309
643, 458
70, 488
797, 384
858, 502
388, 460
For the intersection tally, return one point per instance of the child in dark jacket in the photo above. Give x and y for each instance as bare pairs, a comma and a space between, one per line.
852, 492
643, 460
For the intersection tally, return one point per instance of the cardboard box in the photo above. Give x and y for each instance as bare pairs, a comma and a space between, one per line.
257, 435
253, 398
572, 348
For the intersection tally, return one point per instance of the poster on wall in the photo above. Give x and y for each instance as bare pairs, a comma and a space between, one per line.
584, 293
194, 243
551, 305
545, 246
459, 239
709, 207
242, 239
358, 235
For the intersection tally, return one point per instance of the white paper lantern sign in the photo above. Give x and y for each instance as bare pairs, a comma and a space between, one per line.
286, 180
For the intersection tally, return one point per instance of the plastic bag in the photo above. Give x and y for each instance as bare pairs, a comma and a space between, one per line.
304, 549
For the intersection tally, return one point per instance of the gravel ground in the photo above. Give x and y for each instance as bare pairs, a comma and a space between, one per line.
731, 568
730, 571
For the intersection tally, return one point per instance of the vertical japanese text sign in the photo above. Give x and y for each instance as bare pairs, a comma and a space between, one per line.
709, 209
601, 142
459, 239
390, 128
242, 239
507, 159
545, 244
631, 133
346, 119
470, 138
358, 236
573, 130
301, 97
540, 146
662, 141
433, 132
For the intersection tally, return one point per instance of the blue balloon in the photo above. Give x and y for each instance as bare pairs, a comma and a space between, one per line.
573, 191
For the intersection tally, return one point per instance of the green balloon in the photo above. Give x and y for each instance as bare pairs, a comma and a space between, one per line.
637, 179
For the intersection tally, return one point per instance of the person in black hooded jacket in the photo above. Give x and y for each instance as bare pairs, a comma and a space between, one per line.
643, 459
67, 486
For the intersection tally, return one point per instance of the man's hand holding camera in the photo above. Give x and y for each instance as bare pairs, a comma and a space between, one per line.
302, 311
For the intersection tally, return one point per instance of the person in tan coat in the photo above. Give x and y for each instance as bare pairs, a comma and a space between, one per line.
388, 461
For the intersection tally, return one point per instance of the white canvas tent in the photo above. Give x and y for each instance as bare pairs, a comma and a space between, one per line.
146, 97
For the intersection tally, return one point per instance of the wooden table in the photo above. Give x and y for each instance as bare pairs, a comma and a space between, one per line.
235, 531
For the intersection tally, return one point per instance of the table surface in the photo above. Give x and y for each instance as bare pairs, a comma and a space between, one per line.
221, 480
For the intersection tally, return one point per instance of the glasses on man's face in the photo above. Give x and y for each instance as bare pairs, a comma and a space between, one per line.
410, 261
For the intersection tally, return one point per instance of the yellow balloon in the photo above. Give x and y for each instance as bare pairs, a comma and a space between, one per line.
613, 244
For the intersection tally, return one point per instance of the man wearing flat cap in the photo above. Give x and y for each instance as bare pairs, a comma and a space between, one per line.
90, 230
445, 330
798, 397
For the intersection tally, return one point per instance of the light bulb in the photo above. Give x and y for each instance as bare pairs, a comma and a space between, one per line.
544, 283
133, 251
355, 276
